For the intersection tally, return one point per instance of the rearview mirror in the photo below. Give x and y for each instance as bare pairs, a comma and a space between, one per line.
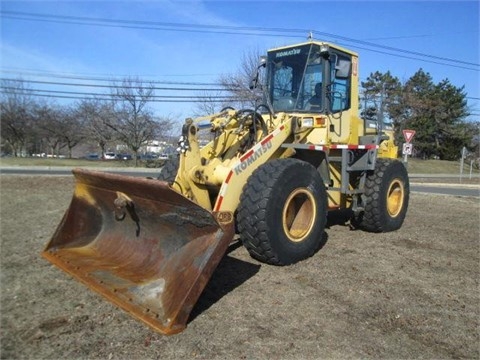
342, 69
254, 82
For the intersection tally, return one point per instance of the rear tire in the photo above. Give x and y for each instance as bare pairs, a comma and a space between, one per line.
283, 212
169, 171
387, 192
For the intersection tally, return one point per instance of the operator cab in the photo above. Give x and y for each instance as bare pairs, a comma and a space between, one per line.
312, 77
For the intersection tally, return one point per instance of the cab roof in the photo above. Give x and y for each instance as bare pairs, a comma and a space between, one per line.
316, 42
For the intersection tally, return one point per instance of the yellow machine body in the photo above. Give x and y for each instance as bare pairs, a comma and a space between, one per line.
150, 246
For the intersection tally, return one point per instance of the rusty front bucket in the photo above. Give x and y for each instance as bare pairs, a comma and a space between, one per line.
140, 244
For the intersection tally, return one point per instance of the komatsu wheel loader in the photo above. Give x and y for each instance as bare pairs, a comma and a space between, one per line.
270, 174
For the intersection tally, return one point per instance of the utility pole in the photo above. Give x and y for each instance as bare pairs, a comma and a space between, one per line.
463, 154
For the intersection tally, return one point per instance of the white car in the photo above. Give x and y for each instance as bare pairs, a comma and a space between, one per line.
110, 156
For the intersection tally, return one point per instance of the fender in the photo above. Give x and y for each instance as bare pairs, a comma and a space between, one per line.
231, 189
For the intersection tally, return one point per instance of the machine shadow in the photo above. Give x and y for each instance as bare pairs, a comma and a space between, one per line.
229, 274
339, 217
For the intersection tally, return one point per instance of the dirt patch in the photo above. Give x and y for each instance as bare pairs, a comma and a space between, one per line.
413, 293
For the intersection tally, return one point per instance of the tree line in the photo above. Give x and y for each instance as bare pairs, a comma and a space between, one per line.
436, 111
31, 126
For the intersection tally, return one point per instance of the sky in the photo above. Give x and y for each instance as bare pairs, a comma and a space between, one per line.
172, 42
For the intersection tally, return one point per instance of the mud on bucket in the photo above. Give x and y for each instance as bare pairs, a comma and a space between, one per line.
140, 244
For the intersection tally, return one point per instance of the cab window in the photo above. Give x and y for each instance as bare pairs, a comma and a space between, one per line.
340, 86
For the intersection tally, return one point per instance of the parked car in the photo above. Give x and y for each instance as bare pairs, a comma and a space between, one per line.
149, 156
92, 157
110, 156
124, 157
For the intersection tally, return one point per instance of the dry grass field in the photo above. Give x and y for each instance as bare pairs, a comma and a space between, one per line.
413, 293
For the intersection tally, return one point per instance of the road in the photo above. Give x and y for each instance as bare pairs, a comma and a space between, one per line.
431, 188
447, 189
47, 170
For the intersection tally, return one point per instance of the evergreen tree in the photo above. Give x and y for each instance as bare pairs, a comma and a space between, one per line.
382, 96
437, 112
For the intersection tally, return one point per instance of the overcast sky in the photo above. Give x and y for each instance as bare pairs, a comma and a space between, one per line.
196, 41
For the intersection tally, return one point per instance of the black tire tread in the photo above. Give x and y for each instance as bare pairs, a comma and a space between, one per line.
252, 217
373, 219
168, 172
253, 229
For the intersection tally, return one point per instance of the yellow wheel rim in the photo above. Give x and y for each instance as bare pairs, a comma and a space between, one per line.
395, 196
299, 214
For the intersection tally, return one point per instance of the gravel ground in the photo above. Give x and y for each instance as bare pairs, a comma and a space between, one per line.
413, 293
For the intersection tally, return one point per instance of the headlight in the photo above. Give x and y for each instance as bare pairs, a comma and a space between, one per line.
307, 122
316, 122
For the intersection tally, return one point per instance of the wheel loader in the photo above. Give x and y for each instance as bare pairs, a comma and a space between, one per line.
269, 175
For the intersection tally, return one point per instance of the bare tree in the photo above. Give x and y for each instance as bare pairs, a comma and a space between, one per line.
208, 103
95, 116
133, 121
236, 85
49, 122
165, 125
72, 129
16, 106
46, 123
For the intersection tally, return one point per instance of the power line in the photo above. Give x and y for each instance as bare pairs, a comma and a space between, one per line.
114, 79
408, 36
96, 76
79, 95
159, 26
121, 86
407, 57
11, 90
107, 97
100, 96
258, 31
395, 49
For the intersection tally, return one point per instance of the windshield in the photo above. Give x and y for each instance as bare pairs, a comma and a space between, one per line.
296, 78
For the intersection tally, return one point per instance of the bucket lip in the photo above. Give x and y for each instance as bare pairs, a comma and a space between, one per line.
150, 189
133, 310
177, 320
88, 173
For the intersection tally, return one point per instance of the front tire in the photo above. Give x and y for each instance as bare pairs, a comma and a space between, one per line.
387, 192
283, 212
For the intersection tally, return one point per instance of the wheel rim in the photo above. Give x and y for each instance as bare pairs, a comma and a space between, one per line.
299, 214
395, 196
